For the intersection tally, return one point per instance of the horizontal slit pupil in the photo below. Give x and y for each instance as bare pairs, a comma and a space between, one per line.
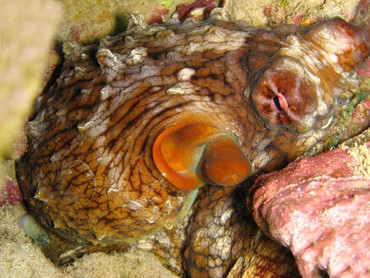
277, 103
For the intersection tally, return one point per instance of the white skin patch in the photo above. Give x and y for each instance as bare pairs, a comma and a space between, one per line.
85, 125
333, 57
136, 56
109, 63
185, 74
181, 88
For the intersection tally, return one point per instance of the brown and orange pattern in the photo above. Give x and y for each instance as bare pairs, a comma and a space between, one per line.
92, 175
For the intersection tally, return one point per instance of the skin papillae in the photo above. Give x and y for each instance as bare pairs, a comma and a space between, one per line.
130, 129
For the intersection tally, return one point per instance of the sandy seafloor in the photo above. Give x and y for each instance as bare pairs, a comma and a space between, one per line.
19, 257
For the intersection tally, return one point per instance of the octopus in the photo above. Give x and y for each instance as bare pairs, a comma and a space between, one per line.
153, 135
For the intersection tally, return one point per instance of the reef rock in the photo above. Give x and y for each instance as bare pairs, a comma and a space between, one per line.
319, 207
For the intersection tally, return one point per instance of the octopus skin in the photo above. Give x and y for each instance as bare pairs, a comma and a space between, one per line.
165, 123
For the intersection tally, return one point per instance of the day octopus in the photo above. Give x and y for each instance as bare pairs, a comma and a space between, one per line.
152, 135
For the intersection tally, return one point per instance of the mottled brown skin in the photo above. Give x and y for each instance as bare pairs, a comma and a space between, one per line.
88, 174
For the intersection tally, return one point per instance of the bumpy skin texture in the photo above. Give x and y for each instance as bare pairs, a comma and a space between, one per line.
319, 208
88, 173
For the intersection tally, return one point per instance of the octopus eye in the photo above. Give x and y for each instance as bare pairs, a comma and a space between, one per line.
283, 98
191, 155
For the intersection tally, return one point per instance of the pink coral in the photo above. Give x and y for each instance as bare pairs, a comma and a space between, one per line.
184, 11
365, 72
158, 14
319, 208
10, 194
